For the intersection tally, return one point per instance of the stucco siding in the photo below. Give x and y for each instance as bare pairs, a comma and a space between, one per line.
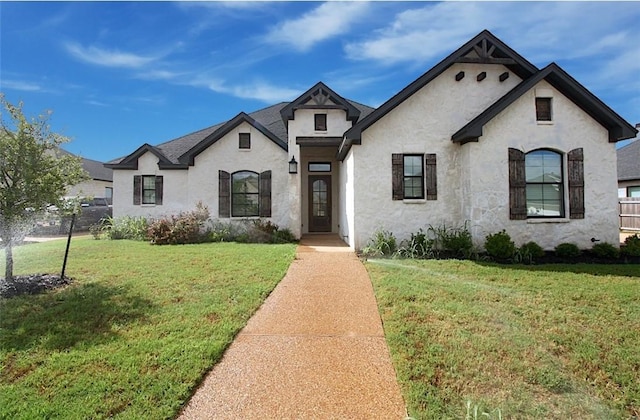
516, 127
225, 155
424, 123
92, 188
175, 197
347, 195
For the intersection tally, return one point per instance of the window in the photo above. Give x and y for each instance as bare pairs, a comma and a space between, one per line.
543, 109
245, 197
537, 184
245, 141
414, 176
413, 180
633, 191
108, 193
543, 174
319, 166
147, 189
320, 122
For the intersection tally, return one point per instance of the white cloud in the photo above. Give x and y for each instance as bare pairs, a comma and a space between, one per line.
113, 58
258, 90
542, 31
20, 85
326, 21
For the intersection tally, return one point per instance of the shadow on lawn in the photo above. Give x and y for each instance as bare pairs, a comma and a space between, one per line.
80, 315
622, 270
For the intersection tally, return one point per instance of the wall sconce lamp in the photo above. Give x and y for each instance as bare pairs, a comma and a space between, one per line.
293, 165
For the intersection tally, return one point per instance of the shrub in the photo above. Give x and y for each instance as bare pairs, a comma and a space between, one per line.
632, 246
250, 231
184, 228
529, 252
500, 246
567, 250
605, 250
383, 243
456, 240
127, 227
419, 246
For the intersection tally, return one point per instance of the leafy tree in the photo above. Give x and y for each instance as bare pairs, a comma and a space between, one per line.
33, 171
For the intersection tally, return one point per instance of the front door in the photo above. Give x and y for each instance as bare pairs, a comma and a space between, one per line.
320, 203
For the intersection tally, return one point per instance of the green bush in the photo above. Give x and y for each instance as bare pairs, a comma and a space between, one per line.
567, 250
632, 246
419, 246
500, 246
383, 243
605, 250
184, 228
135, 228
250, 231
452, 239
529, 252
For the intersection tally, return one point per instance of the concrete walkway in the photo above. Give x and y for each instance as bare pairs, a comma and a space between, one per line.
314, 350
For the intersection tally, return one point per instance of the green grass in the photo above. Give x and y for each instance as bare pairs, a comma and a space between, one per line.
557, 341
135, 333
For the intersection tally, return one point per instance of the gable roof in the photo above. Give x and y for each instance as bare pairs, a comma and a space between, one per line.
618, 128
189, 156
320, 93
629, 161
171, 152
483, 48
94, 168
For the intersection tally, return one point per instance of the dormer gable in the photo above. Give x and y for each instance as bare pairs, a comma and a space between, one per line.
319, 97
131, 161
189, 156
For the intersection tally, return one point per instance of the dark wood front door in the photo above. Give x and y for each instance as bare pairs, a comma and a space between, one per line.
320, 203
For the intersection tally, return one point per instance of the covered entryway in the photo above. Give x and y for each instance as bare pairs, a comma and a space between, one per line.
319, 203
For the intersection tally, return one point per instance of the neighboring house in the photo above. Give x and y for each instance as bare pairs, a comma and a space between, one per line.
629, 170
100, 184
484, 137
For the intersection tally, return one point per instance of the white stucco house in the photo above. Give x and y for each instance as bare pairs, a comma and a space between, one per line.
484, 137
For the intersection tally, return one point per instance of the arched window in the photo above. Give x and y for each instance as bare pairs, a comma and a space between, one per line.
543, 173
245, 194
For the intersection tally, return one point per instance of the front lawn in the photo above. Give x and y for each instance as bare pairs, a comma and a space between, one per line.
136, 331
554, 341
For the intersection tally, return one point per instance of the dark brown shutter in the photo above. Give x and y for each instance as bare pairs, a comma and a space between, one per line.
397, 166
430, 174
517, 185
224, 194
159, 185
576, 183
265, 194
137, 190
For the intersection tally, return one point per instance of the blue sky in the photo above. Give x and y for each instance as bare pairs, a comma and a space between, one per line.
120, 74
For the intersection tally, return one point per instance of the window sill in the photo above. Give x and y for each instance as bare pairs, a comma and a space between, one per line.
550, 220
414, 201
544, 122
148, 205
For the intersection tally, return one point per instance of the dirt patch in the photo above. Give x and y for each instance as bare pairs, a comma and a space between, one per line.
31, 284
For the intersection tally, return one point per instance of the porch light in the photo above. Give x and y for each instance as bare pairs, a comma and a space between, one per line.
293, 165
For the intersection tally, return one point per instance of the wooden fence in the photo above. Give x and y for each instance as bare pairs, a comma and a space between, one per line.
629, 213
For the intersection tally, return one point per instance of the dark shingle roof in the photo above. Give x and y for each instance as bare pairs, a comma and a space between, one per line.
269, 117
95, 168
629, 161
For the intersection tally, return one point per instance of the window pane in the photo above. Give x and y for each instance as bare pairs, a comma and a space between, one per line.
412, 165
245, 198
320, 167
148, 182
633, 191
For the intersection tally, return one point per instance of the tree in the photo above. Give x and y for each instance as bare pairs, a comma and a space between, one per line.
33, 171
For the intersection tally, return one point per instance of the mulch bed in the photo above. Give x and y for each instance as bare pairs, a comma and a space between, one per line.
32, 284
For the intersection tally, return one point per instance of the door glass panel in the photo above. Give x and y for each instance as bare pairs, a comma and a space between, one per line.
319, 198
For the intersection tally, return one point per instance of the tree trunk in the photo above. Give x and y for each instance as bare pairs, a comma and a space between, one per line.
8, 250
6, 235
